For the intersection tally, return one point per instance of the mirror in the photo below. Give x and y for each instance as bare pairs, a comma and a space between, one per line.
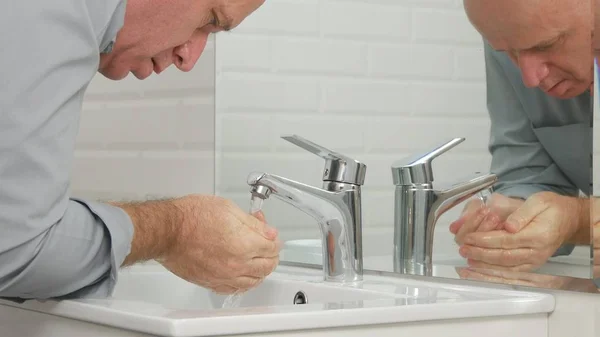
418, 77
595, 212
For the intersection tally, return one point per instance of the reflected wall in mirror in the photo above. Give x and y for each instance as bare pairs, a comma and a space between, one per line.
419, 76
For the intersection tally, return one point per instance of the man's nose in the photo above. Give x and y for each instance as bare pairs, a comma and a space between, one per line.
188, 53
533, 68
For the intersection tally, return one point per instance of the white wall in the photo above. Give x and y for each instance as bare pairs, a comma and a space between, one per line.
375, 80
148, 138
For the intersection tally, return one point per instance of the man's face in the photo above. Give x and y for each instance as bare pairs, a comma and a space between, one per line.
596, 34
549, 40
158, 33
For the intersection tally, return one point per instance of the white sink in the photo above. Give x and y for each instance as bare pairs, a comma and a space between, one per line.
275, 291
158, 303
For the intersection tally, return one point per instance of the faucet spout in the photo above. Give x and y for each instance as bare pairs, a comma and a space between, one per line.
460, 192
336, 208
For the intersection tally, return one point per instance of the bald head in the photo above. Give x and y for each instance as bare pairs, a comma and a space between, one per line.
549, 40
518, 24
596, 35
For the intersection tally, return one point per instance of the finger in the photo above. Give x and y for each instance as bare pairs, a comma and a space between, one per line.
498, 239
470, 208
500, 257
260, 216
525, 214
481, 275
483, 265
491, 222
469, 274
456, 225
503, 205
263, 248
224, 289
244, 283
259, 226
471, 223
261, 267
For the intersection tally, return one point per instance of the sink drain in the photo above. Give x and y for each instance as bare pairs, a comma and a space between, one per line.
300, 298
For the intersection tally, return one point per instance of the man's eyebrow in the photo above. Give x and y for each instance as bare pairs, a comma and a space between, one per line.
548, 42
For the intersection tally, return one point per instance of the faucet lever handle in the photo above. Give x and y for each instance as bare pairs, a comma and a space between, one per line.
338, 168
417, 169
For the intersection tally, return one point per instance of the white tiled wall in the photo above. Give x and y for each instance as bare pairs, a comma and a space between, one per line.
376, 80
151, 138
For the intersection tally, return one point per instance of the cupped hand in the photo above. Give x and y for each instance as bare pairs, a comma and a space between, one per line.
220, 246
478, 216
530, 235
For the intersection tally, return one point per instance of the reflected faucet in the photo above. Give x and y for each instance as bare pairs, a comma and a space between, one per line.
417, 207
336, 207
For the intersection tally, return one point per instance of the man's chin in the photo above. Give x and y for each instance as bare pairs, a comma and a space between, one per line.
141, 75
113, 75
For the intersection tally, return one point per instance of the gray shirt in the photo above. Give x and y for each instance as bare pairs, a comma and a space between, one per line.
52, 245
538, 142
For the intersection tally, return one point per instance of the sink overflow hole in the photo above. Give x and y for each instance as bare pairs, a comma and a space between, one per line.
300, 298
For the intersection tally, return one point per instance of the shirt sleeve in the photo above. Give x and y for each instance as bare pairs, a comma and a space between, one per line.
51, 245
519, 160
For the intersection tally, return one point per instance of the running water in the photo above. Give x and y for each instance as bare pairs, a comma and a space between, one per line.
255, 204
234, 300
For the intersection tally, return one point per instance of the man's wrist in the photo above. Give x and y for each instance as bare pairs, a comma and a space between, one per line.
581, 233
155, 228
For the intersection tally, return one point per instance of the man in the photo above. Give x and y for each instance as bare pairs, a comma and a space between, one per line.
539, 73
55, 246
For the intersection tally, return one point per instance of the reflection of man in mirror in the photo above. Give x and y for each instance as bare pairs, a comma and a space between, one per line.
596, 90
539, 73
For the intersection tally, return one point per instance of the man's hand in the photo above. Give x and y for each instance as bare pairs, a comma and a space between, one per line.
527, 279
480, 217
530, 235
205, 240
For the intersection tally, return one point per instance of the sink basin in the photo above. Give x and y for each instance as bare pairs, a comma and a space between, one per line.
275, 291
154, 302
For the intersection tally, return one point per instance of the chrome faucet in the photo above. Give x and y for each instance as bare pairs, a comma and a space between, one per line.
336, 207
418, 206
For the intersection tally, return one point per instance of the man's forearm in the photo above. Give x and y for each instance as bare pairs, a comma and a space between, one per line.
155, 225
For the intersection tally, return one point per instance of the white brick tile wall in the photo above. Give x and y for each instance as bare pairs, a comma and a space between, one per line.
365, 96
365, 20
300, 17
376, 80
443, 26
319, 56
248, 91
151, 138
